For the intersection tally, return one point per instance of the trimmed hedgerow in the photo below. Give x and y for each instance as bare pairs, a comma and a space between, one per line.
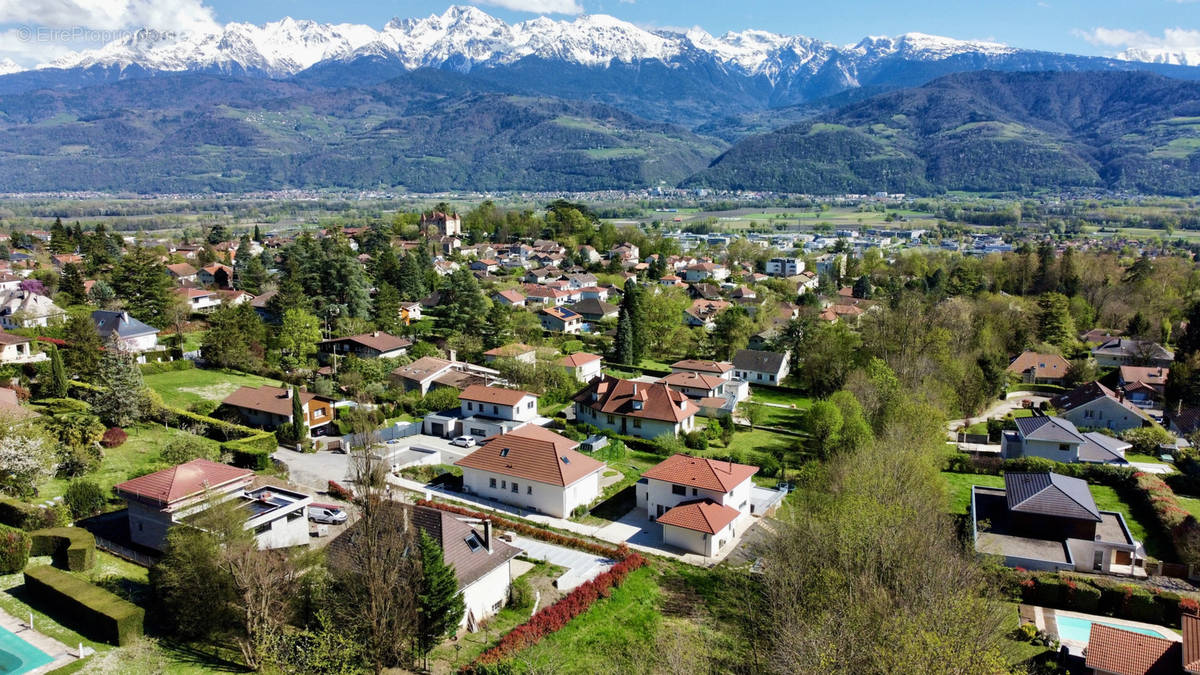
618, 553
72, 548
553, 618
1096, 595
14, 549
89, 609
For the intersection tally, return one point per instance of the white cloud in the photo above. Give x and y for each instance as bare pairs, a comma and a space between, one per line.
177, 15
532, 6
1172, 38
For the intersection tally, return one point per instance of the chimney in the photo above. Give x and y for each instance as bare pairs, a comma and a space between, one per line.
375, 334
487, 534
287, 392
124, 317
453, 355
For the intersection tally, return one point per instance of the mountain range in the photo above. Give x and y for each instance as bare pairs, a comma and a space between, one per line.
984, 132
463, 100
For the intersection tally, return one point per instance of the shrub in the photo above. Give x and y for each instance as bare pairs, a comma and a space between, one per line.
1083, 597
14, 549
166, 366
1189, 606
72, 548
182, 449
520, 594
1141, 606
28, 517
114, 437
89, 609
84, 498
696, 440
337, 491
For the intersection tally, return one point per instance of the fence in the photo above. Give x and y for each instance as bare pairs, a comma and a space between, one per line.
125, 552
394, 432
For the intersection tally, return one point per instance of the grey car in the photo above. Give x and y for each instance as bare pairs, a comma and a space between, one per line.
327, 514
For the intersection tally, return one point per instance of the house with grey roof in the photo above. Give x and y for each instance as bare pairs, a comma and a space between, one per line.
1059, 440
759, 367
1095, 406
1047, 521
133, 335
1126, 352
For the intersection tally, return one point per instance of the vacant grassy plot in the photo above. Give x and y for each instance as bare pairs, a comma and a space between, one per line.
124, 462
780, 396
618, 630
756, 443
958, 488
185, 387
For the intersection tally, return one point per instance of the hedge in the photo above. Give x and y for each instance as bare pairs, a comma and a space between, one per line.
73, 548
29, 517
155, 367
14, 549
1095, 595
553, 618
253, 452
616, 553
89, 609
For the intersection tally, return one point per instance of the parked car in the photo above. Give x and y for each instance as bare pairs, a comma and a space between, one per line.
327, 514
464, 441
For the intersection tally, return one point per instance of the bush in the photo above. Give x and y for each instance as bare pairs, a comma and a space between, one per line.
182, 449
1082, 597
72, 548
114, 437
28, 517
338, 491
166, 366
14, 549
1146, 440
84, 498
1141, 606
696, 440
520, 595
88, 609
767, 466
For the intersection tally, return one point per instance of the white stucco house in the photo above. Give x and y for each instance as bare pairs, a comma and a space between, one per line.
582, 366
26, 309
1095, 406
1058, 439
533, 469
759, 367
635, 408
133, 335
483, 412
157, 501
700, 503
18, 349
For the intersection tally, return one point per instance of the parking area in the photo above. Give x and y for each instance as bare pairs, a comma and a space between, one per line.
316, 469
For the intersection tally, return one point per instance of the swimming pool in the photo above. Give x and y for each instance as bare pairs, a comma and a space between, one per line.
1076, 629
18, 656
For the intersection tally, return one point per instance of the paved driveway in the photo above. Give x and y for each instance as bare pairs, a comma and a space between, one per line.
580, 566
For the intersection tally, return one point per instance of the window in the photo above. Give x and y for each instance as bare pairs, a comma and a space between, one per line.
495, 410
678, 490
504, 452
515, 489
491, 482
529, 405
503, 485
694, 493
611, 420
1064, 447
637, 423
528, 489
473, 542
470, 406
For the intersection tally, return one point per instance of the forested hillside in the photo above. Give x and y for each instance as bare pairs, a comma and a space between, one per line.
985, 132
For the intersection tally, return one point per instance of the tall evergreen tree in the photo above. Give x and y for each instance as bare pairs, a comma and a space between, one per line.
1189, 342
241, 260
141, 280
412, 278
497, 329
252, 277
464, 306
1055, 324
71, 285
1068, 273
637, 318
299, 421
257, 233
387, 308
124, 399
439, 606
623, 348
218, 234
56, 387
60, 238
82, 357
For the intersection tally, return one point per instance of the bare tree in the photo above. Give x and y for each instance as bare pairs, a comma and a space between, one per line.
266, 583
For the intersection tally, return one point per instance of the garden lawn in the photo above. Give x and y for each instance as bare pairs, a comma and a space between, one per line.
755, 443
184, 387
619, 631
958, 488
1191, 504
130, 459
1018, 652
780, 396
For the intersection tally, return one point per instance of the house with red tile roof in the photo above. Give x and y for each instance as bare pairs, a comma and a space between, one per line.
517, 351
1035, 368
561, 320
375, 345
582, 366
700, 503
532, 472
157, 501
268, 407
509, 297
484, 412
635, 408
1112, 650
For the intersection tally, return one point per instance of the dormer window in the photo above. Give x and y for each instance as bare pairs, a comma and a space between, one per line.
637, 405
504, 452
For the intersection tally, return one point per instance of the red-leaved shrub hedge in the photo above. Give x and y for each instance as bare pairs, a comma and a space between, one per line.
554, 617
114, 437
338, 491
620, 552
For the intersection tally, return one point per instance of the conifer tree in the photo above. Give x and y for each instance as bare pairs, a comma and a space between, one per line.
387, 308
299, 421
124, 399
440, 607
57, 386
82, 359
71, 284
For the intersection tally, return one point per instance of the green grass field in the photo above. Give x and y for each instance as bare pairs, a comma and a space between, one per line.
618, 630
123, 462
184, 387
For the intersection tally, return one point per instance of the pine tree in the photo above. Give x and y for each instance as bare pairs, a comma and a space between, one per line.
241, 260
257, 233
124, 399
412, 278
57, 386
1189, 342
141, 280
497, 328
1068, 273
71, 285
218, 234
387, 308
465, 305
252, 277
623, 344
299, 421
60, 238
82, 359
634, 311
440, 607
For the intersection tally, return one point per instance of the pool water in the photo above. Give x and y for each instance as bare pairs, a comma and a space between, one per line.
18, 656
1075, 629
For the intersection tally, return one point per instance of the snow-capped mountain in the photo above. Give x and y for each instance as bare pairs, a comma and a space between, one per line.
467, 37
1187, 57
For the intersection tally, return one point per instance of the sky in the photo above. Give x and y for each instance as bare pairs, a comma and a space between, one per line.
1096, 27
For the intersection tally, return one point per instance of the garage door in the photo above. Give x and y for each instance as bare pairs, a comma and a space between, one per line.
437, 428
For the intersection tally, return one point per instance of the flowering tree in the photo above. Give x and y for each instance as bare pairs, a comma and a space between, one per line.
25, 461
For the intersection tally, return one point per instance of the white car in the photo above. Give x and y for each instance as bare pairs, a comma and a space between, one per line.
326, 514
464, 441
